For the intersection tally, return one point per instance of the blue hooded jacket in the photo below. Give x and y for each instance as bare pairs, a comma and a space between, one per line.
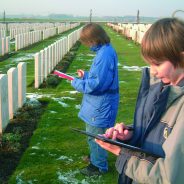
100, 88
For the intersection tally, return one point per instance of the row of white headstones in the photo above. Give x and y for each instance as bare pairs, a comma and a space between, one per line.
13, 84
134, 32
48, 58
26, 39
12, 29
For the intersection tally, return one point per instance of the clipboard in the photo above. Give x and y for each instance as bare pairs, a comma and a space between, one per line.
115, 142
63, 75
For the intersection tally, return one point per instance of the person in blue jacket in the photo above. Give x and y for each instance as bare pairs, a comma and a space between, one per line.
100, 90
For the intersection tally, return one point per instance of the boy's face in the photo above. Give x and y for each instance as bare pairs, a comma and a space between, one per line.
167, 72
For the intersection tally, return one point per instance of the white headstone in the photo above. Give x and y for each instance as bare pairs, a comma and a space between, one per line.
7, 44
52, 56
3, 46
21, 83
12, 91
0, 47
4, 114
38, 72
42, 58
45, 62
49, 58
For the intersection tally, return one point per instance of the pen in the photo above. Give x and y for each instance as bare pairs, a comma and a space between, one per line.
129, 128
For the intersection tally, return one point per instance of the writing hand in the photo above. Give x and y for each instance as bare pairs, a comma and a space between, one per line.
119, 131
80, 73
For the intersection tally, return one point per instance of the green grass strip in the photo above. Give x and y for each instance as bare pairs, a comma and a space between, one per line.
55, 152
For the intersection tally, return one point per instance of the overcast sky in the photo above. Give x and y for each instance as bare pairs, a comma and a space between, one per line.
153, 8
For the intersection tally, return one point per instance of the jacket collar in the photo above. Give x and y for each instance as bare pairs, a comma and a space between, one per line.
175, 93
181, 83
95, 48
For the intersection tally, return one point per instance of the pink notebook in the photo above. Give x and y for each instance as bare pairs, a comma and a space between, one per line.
63, 75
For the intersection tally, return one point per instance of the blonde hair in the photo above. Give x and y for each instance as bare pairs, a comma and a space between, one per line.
164, 41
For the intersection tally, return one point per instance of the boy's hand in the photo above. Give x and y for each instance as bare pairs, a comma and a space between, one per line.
109, 147
119, 131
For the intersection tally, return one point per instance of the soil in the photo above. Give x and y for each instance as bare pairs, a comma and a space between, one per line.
22, 125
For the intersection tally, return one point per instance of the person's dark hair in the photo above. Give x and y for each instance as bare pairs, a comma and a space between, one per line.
163, 41
94, 33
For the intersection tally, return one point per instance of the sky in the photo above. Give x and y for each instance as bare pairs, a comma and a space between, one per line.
150, 8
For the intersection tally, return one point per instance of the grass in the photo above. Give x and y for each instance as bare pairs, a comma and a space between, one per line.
55, 152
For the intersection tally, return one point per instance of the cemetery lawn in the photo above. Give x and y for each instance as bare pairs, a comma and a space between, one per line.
55, 153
